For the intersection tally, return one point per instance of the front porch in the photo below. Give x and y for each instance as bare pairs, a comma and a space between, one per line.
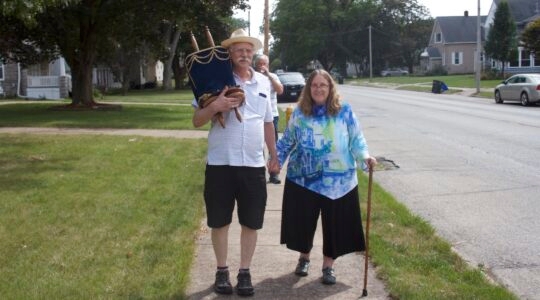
48, 87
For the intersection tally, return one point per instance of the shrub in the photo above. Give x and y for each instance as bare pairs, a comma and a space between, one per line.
438, 70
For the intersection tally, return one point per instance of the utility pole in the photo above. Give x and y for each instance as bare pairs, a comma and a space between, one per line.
478, 50
266, 28
249, 21
370, 55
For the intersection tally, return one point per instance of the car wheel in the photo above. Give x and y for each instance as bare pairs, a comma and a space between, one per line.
498, 98
524, 99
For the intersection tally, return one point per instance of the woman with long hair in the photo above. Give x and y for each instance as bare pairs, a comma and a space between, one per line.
324, 145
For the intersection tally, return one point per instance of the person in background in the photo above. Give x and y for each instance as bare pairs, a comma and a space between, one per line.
276, 88
324, 144
235, 168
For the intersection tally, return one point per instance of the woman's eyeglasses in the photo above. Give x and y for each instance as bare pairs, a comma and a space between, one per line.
322, 86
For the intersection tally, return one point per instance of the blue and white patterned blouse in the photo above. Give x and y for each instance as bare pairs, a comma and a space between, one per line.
323, 150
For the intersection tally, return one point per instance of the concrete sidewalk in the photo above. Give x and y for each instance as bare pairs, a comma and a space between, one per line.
272, 268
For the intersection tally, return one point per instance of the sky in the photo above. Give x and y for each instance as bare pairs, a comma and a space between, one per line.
441, 8
437, 8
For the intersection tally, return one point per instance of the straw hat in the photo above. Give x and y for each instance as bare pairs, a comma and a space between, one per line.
240, 36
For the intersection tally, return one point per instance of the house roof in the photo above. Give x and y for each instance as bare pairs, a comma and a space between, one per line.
461, 29
522, 10
433, 52
531, 19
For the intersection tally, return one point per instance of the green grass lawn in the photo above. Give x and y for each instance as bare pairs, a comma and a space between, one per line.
131, 116
457, 81
413, 261
98, 217
108, 217
184, 96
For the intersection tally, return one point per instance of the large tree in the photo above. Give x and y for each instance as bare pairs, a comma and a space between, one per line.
531, 37
414, 38
501, 40
336, 32
214, 14
84, 30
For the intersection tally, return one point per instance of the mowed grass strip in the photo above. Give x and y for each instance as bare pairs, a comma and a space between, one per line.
158, 95
132, 116
413, 261
98, 217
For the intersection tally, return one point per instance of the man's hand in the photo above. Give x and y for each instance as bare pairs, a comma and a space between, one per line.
225, 104
264, 70
273, 165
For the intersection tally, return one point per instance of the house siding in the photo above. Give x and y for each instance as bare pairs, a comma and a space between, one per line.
458, 35
522, 11
467, 63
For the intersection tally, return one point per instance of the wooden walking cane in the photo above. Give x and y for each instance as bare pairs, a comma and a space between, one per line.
366, 253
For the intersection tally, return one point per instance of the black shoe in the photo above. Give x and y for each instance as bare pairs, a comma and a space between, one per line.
274, 179
244, 287
328, 276
302, 267
222, 284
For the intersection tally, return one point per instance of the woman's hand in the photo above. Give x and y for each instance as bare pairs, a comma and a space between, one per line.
370, 161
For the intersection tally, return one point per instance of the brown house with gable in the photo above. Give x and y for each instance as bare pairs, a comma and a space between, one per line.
452, 45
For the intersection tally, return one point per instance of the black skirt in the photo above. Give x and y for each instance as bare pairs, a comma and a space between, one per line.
341, 221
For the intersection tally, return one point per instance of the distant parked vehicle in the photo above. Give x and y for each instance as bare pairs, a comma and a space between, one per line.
524, 88
293, 83
394, 72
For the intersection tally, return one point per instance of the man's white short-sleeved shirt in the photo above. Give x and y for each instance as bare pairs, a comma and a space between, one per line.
242, 143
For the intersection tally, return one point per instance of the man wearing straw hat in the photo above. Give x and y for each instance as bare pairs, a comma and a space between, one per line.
235, 170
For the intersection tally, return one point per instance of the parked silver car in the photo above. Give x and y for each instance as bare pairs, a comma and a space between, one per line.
394, 72
524, 88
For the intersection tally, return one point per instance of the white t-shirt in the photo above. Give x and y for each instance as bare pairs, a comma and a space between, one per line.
273, 95
242, 143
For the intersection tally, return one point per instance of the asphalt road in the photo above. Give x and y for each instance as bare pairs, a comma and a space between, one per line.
468, 166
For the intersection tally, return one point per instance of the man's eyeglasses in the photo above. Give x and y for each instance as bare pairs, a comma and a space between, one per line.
242, 50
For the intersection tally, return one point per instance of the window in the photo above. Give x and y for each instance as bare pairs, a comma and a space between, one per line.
1, 71
526, 58
438, 37
457, 58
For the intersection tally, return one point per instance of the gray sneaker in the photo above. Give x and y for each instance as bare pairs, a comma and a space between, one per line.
302, 267
274, 179
328, 276
223, 284
244, 287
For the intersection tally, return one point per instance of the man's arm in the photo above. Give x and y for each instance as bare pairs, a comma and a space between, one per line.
270, 138
276, 84
203, 115
221, 104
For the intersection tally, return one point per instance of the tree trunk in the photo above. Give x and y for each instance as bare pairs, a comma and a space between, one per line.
179, 71
172, 36
81, 59
82, 85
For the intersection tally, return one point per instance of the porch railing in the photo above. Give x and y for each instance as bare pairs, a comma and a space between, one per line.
43, 81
